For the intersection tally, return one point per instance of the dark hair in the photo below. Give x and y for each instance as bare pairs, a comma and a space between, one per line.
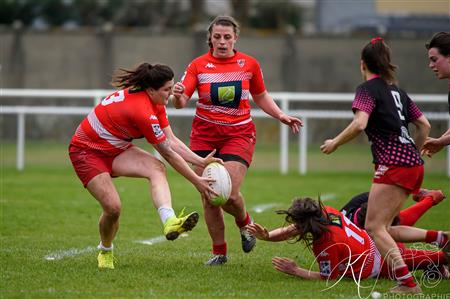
223, 21
309, 217
361, 217
440, 41
143, 77
377, 57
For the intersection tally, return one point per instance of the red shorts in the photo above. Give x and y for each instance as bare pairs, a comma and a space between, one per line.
233, 143
89, 163
409, 178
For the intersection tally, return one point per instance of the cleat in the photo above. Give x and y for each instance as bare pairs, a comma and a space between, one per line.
175, 226
217, 260
401, 289
105, 259
436, 195
248, 240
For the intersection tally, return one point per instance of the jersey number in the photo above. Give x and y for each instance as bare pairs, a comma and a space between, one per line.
118, 96
351, 233
398, 103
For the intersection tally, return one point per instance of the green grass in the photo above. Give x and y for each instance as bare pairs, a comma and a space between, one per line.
46, 211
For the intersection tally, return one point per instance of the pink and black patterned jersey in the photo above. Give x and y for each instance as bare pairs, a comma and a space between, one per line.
119, 118
390, 110
224, 86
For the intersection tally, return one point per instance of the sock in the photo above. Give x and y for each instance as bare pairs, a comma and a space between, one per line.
436, 237
421, 259
244, 222
165, 213
220, 249
410, 215
404, 277
103, 248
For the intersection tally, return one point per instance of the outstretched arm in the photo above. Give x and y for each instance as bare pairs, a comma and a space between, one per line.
288, 266
358, 125
268, 105
276, 235
434, 145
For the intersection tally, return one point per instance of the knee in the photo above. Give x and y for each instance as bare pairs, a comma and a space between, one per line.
374, 229
112, 211
155, 170
236, 198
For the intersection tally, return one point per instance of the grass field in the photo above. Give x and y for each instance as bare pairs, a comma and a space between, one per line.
49, 233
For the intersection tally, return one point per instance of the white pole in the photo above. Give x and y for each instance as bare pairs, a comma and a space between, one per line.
20, 141
303, 146
284, 140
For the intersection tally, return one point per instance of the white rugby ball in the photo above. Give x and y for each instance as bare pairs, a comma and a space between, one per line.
222, 184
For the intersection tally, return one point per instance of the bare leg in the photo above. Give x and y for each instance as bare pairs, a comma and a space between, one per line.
385, 202
102, 188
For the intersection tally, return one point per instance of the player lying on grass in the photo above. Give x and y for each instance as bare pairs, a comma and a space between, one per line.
340, 247
356, 209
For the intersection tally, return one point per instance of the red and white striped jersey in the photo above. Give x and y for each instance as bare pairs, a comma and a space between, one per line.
119, 118
224, 86
346, 250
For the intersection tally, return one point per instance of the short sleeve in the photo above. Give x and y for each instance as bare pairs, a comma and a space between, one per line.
148, 122
257, 85
413, 111
363, 101
327, 256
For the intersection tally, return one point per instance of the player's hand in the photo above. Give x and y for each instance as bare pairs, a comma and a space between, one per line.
178, 89
258, 231
328, 146
210, 159
285, 265
293, 122
431, 146
203, 186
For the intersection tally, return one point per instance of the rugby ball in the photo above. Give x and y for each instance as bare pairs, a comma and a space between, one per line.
222, 184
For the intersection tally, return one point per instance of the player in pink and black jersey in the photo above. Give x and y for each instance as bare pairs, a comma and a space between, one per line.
384, 111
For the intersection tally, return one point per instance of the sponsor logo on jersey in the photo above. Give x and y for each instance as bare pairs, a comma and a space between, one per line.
241, 62
210, 65
157, 130
325, 268
226, 94
335, 219
153, 117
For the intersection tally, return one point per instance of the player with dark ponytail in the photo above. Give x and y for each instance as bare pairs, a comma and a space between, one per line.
102, 148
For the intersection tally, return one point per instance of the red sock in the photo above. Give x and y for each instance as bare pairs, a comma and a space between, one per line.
420, 259
410, 215
244, 222
220, 249
437, 237
404, 277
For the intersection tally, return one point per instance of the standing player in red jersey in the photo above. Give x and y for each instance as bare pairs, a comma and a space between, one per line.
101, 149
439, 56
340, 247
225, 79
384, 111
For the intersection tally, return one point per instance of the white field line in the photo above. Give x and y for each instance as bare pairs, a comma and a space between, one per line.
264, 207
157, 240
59, 255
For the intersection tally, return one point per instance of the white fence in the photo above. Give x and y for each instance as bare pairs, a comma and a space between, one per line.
283, 98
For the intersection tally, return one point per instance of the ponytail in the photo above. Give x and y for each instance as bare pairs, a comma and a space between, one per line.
143, 77
377, 57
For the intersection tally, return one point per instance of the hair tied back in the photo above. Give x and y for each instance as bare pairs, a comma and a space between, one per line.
374, 40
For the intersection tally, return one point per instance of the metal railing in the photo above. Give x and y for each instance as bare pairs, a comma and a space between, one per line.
283, 98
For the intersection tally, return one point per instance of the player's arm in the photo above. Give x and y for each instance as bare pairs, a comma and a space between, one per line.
434, 145
180, 165
288, 266
422, 130
265, 101
186, 153
358, 124
276, 235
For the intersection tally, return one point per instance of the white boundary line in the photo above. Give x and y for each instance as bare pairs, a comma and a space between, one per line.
59, 255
